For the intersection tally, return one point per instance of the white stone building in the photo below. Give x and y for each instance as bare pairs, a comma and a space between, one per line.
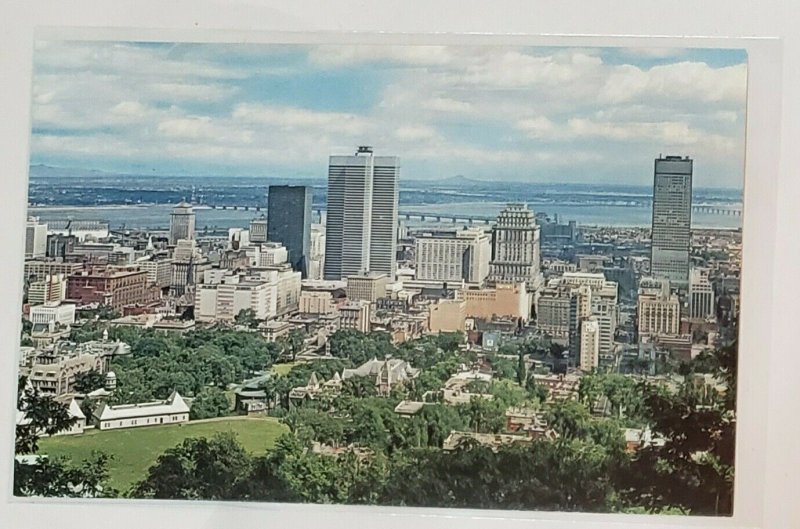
61, 313
173, 410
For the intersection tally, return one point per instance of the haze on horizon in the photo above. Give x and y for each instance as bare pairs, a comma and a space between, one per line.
544, 114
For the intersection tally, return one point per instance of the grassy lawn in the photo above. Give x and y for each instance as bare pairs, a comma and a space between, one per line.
283, 369
136, 449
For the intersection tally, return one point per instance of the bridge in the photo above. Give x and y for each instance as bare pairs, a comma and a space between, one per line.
734, 211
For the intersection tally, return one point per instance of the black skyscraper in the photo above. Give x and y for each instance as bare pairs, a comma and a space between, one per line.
289, 222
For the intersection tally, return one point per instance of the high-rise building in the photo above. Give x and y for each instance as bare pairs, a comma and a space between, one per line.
580, 309
452, 256
289, 222
515, 247
35, 238
362, 215
258, 229
672, 219
181, 223
658, 310
589, 345
355, 315
701, 295
316, 262
49, 289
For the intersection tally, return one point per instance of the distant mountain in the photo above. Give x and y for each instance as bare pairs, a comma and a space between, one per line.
452, 181
44, 171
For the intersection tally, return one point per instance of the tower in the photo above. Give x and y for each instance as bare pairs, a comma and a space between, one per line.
181, 223
362, 214
672, 219
289, 222
515, 247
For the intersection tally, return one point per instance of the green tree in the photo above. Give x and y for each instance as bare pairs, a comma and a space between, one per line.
210, 402
246, 318
89, 381
198, 468
43, 476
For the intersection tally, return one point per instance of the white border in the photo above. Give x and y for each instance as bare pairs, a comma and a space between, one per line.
759, 466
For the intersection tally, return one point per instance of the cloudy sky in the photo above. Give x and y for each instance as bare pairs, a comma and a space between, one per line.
537, 114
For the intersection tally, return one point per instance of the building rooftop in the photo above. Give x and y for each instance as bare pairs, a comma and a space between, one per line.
173, 404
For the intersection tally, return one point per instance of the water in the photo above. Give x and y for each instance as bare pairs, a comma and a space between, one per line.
157, 216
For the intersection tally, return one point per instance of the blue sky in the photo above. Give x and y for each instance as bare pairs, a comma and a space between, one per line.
489, 113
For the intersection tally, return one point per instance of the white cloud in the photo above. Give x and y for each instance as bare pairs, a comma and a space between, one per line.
536, 127
502, 109
341, 55
412, 132
294, 118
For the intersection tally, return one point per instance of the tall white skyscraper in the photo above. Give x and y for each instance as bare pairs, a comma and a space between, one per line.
35, 238
181, 223
672, 219
515, 247
362, 214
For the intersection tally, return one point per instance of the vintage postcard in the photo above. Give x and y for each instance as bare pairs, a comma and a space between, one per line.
486, 276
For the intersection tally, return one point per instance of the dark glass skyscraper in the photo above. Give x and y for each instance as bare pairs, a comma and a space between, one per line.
672, 219
289, 222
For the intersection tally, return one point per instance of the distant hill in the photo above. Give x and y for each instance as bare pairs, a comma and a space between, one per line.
44, 171
452, 181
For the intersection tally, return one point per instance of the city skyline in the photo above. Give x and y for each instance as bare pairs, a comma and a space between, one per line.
489, 113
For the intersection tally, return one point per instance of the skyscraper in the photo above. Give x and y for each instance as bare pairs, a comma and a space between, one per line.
362, 214
181, 223
672, 219
35, 238
289, 222
515, 247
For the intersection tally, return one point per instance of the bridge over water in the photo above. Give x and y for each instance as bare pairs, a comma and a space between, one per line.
433, 216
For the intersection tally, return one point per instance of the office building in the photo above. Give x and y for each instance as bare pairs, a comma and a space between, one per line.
289, 222
60, 313
362, 215
504, 300
516, 247
589, 345
224, 300
447, 315
38, 270
50, 289
60, 246
115, 287
258, 230
159, 271
658, 310
273, 253
181, 223
355, 315
580, 309
452, 256
317, 302
369, 286
35, 238
316, 262
672, 219
701, 295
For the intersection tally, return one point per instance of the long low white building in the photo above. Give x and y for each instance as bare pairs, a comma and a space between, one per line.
171, 411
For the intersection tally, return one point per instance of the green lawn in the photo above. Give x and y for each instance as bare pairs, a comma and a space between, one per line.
134, 450
283, 369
